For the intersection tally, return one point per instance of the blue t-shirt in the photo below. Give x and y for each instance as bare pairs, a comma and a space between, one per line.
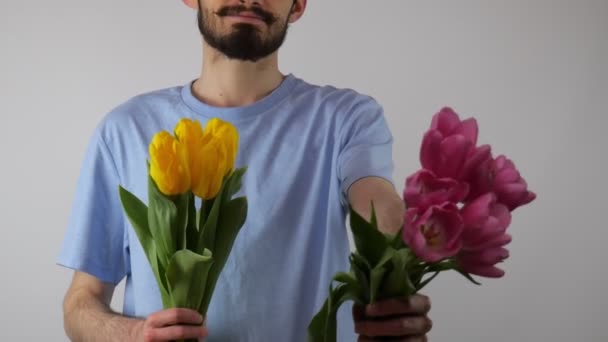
304, 145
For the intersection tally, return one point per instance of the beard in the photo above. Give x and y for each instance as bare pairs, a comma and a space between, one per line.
246, 41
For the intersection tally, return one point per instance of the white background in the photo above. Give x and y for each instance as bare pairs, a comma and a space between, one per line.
534, 74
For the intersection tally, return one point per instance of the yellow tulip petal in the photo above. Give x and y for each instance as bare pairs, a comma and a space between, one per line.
227, 134
190, 134
168, 164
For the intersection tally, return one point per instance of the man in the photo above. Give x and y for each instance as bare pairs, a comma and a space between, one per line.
310, 151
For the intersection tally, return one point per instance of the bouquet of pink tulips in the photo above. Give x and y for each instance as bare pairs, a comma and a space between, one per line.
458, 209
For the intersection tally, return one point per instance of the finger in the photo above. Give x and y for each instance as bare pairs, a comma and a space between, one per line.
416, 304
177, 332
175, 316
402, 326
422, 338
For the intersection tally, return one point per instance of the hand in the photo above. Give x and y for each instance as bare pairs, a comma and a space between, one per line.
172, 325
400, 319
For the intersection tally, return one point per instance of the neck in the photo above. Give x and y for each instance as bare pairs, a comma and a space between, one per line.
231, 83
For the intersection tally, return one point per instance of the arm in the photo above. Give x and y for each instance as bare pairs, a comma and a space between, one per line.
398, 317
389, 208
88, 317
86, 309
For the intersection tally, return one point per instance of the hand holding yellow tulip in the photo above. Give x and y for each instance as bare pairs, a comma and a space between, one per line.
188, 247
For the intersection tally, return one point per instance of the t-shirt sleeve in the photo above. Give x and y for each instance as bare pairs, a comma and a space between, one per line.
95, 239
366, 146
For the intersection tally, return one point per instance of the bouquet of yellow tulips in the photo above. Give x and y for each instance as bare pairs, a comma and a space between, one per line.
187, 247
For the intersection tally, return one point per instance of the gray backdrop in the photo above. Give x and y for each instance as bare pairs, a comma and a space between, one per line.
534, 73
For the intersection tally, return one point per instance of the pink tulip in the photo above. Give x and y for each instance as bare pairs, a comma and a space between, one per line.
501, 177
476, 157
448, 123
449, 147
510, 187
484, 236
483, 263
484, 220
434, 234
423, 189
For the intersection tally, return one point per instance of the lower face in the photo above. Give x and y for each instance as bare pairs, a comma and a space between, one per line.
243, 33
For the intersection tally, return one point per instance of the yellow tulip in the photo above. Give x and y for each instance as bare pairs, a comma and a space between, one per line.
190, 134
228, 135
168, 164
215, 157
213, 166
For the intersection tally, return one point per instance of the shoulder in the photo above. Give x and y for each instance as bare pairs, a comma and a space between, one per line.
138, 112
343, 103
340, 98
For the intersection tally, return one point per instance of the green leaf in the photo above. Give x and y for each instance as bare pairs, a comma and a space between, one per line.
206, 206
434, 268
318, 324
162, 284
182, 203
374, 219
360, 261
323, 326
192, 231
378, 272
361, 270
369, 241
397, 282
207, 236
234, 183
186, 276
137, 213
231, 218
376, 277
442, 266
162, 217
469, 277
353, 283
396, 241
426, 281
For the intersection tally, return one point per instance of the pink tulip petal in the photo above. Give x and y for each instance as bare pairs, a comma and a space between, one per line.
507, 176
511, 188
459, 192
452, 249
485, 271
475, 160
431, 235
454, 150
423, 189
529, 198
409, 228
488, 257
502, 213
430, 150
500, 241
468, 128
500, 162
484, 233
446, 120
477, 211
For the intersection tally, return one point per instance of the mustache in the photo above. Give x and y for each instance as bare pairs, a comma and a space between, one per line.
266, 16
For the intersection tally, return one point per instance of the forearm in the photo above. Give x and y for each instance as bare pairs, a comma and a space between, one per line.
87, 319
388, 206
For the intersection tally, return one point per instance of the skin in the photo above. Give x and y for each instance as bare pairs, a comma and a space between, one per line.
225, 82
